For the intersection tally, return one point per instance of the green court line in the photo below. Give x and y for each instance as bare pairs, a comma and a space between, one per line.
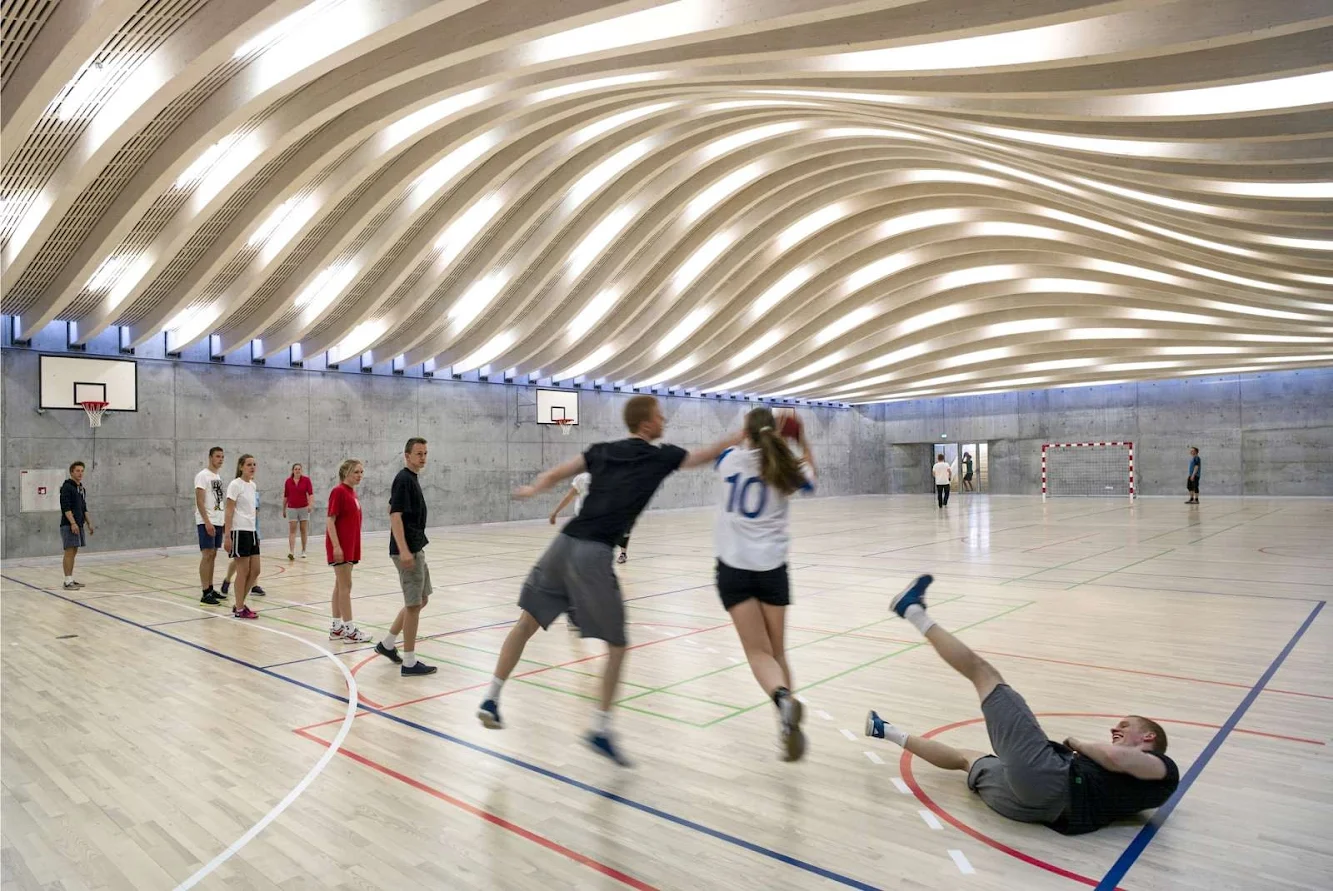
1121, 569
1063, 565
875, 661
807, 643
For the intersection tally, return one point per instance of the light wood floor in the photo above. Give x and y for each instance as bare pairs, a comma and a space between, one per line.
151, 741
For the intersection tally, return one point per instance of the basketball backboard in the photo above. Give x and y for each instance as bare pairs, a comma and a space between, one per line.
67, 381
554, 406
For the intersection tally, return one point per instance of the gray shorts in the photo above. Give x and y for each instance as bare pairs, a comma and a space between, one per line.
297, 513
576, 576
415, 581
1027, 779
71, 539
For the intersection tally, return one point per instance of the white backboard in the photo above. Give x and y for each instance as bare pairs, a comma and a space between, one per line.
68, 380
39, 490
557, 405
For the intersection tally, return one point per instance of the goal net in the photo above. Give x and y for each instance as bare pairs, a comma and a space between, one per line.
1087, 469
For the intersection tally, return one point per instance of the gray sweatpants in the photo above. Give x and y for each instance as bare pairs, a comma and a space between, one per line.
1027, 779
576, 575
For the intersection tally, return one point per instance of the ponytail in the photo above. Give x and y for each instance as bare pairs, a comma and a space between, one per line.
778, 465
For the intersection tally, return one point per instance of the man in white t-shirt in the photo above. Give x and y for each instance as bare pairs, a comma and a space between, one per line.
943, 474
210, 505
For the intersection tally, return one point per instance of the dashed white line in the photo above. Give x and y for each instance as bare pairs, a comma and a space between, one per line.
825, 715
961, 861
901, 786
847, 733
931, 820
874, 759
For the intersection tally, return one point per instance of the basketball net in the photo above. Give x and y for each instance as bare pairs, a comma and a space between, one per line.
566, 426
95, 411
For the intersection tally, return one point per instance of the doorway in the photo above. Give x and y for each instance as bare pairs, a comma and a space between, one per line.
958, 455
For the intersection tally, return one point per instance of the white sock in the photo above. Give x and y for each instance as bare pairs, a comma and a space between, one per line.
69, 579
601, 721
895, 734
916, 614
409, 658
390, 641
494, 691
336, 625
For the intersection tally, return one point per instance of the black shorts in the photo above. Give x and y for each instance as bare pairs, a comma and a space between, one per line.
1192, 485
736, 586
244, 544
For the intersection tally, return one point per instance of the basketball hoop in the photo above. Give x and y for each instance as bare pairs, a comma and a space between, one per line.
566, 425
95, 411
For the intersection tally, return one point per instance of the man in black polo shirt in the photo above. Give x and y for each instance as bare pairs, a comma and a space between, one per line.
1072, 787
576, 573
407, 525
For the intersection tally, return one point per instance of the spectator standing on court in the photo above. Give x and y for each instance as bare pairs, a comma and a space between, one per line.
1196, 471
231, 564
943, 474
75, 522
967, 471
296, 495
241, 533
210, 505
342, 546
407, 539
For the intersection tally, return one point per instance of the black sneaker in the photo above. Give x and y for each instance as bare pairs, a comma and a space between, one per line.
419, 668
391, 655
211, 598
258, 590
226, 586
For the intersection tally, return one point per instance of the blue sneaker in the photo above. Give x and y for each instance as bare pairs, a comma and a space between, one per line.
915, 594
874, 725
489, 715
601, 743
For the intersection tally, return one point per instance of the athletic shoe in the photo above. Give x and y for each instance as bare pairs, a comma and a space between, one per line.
793, 738
226, 586
75, 585
258, 590
211, 598
874, 725
914, 595
336, 632
303, 555
244, 612
602, 745
353, 634
291, 556
417, 669
623, 558
70, 586
391, 655
489, 715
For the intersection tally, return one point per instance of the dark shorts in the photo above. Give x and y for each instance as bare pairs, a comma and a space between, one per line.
1027, 779
735, 586
210, 542
346, 563
576, 576
1191, 485
244, 544
967, 477
71, 539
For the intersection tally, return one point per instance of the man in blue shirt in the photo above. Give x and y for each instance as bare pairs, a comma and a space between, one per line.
1196, 471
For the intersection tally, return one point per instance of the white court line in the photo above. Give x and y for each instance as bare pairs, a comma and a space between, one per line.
847, 733
874, 759
931, 820
901, 786
352, 700
825, 715
961, 860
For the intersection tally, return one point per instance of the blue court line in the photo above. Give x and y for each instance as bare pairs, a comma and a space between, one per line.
508, 759
1146, 834
372, 646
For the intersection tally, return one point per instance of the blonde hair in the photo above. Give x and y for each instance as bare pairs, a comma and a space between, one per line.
346, 467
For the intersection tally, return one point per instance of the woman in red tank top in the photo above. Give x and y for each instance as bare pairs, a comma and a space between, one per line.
342, 545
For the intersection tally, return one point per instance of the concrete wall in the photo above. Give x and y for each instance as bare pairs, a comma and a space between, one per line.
1258, 434
483, 443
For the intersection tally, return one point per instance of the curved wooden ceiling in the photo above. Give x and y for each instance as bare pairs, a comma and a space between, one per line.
849, 201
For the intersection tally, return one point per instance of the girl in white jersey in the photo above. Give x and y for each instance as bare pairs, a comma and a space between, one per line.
750, 540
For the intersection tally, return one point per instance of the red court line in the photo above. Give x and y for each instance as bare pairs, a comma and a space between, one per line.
905, 765
609, 871
524, 674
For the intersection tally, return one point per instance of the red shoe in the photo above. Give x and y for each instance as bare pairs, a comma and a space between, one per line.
244, 613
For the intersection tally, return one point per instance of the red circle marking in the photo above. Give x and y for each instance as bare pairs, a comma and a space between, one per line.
905, 765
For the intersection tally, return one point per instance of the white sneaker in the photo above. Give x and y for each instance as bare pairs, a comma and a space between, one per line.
353, 634
336, 632
303, 555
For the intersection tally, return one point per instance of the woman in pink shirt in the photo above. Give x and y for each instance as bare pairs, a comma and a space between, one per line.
342, 545
296, 495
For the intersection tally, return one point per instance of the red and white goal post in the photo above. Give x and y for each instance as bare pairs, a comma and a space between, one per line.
1087, 469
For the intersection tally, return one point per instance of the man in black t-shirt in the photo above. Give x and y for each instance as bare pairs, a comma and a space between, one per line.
1072, 787
576, 573
407, 539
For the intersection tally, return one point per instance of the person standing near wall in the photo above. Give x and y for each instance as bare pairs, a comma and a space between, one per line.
210, 498
296, 495
407, 539
943, 474
1196, 471
342, 547
75, 522
967, 471
241, 534
231, 564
